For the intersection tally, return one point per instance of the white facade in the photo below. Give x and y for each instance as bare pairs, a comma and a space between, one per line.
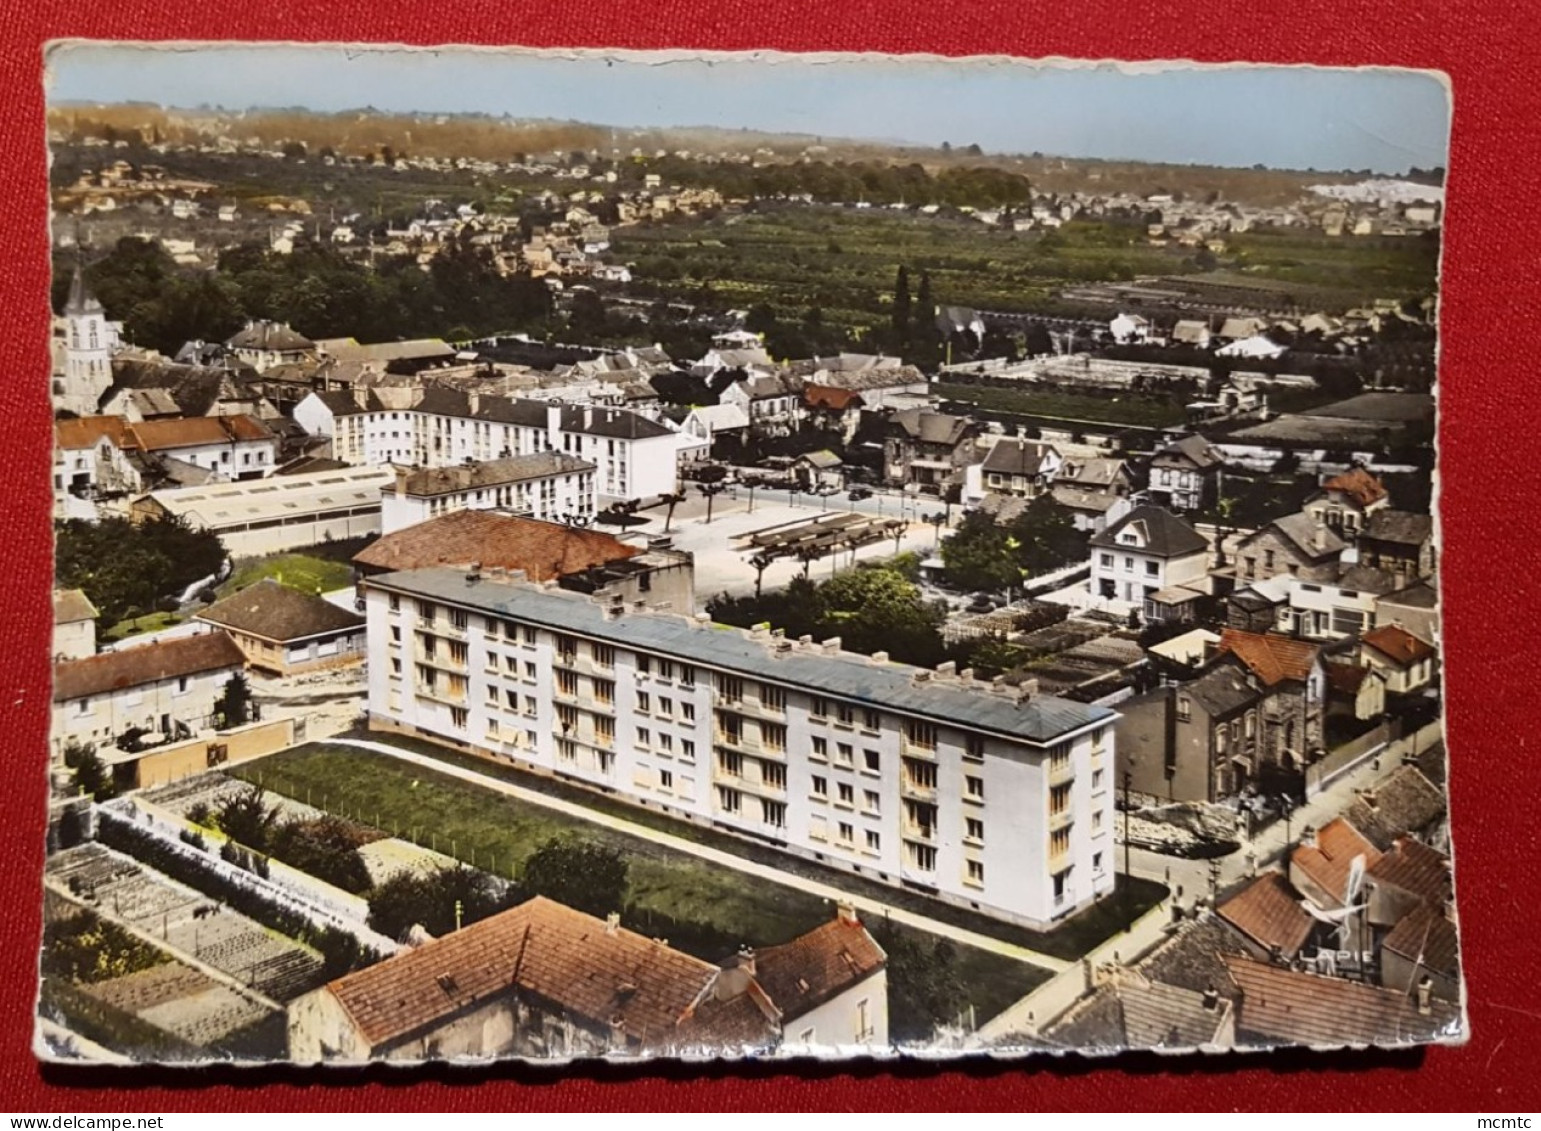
1320, 610
748, 733
157, 705
80, 473
1129, 572
560, 497
854, 1019
640, 466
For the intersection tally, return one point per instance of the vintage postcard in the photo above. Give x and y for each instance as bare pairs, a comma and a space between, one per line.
561, 555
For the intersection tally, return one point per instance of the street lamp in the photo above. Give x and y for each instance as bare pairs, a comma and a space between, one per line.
1287, 807
1128, 892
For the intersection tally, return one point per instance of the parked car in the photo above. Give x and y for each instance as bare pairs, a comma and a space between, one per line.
859, 493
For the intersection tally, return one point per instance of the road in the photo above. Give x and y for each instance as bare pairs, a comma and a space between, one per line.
1190, 879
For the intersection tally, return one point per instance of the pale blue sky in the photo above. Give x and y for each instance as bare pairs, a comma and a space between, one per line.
1285, 117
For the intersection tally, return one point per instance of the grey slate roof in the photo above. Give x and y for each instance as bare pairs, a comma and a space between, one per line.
273, 611
1039, 719
436, 400
265, 335
1220, 690
1011, 456
1190, 451
1404, 528
1301, 529
1166, 535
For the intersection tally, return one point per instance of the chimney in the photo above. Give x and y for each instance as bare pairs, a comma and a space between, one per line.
612, 922
553, 424
473, 402
880, 657
518, 575
845, 912
1308, 837
966, 675
1319, 538
1027, 689
1211, 997
401, 483
831, 647
1369, 798
805, 641
946, 669
1426, 996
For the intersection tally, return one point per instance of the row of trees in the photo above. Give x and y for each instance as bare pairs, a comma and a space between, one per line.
316, 289
129, 569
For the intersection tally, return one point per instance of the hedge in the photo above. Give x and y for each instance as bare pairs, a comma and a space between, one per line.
341, 950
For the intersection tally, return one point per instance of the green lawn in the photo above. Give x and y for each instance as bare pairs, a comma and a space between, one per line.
304, 572
150, 622
1127, 410
702, 908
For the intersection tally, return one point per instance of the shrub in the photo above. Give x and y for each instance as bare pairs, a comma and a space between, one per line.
195, 839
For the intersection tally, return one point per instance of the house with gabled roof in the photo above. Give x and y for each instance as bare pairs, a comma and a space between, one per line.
927, 450
263, 344
1268, 912
286, 632
1019, 467
1291, 676
1404, 803
1151, 559
544, 980
1281, 1006
1295, 545
1423, 949
1406, 662
74, 625
1400, 542
1347, 499
167, 687
1329, 867
1193, 741
1185, 475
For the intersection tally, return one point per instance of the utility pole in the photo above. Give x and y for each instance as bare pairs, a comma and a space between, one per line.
1128, 893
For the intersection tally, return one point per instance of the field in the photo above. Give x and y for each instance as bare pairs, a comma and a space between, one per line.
681, 896
843, 262
1127, 410
304, 572
137, 626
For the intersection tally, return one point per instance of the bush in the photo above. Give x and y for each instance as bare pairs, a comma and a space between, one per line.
195, 839
583, 874
327, 848
85, 948
411, 899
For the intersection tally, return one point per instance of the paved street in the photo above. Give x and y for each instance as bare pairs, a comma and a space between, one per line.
1193, 877
723, 859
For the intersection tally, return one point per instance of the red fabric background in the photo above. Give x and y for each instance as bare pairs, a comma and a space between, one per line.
1488, 467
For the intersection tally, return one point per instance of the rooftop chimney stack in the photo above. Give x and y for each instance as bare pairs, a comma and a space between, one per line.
612, 922
845, 912
1426, 996
1211, 997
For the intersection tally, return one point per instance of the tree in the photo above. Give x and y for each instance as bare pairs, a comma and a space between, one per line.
245, 818
977, 555
924, 987
761, 562
1044, 537
92, 777
583, 874
925, 338
428, 900
879, 610
901, 311
673, 499
234, 705
327, 848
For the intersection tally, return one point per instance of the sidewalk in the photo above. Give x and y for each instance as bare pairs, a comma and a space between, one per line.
715, 856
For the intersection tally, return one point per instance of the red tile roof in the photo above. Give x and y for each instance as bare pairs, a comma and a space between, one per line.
1417, 869
1359, 485
544, 550
146, 663
596, 973
1346, 679
1310, 1009
1268, 911
1329, 861
195, 431
829, 397
1273, 659
810, 970
85, 431
1426, 933
1396, 643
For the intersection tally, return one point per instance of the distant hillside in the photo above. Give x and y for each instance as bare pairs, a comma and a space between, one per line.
485, 138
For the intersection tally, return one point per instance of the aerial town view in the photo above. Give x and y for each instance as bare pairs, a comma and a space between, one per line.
563, 557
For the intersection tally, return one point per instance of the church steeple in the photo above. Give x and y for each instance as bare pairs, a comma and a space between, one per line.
81, 301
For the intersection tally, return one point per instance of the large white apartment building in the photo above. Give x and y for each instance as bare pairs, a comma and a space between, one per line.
549, 486
973, 793
634, 457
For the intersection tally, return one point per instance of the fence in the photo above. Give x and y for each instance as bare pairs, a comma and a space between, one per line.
1383, 739
1031, 1013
